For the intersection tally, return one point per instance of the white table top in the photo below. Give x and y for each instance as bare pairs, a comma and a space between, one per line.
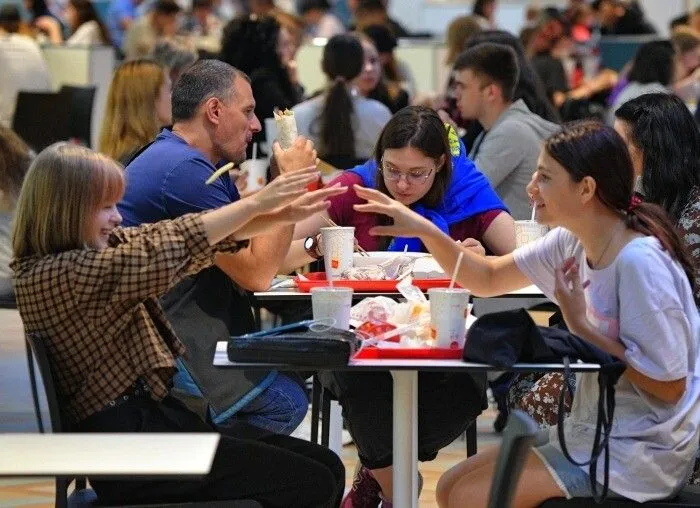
97, 454
295, 294
221, 360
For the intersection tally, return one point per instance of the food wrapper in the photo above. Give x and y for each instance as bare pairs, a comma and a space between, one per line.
379, 308
286, 127
395, 268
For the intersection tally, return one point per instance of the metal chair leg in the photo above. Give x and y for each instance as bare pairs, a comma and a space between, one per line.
470, 434
315, 407
35, 393
325, 418
62, 484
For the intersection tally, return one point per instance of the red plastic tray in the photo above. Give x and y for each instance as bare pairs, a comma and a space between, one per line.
376, 353
318, 279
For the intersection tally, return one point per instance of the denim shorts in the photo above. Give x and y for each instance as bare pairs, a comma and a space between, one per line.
571, 479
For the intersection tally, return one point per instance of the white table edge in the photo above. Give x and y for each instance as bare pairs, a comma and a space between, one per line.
172, 454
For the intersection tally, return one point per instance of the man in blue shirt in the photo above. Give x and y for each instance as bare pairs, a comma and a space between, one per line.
214, 121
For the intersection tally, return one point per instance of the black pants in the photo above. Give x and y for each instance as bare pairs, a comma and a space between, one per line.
275, 470
447, 404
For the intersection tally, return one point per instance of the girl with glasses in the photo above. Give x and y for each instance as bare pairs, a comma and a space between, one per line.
418, 163
421, 163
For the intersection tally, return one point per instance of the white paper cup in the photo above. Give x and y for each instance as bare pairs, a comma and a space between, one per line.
257, 173
527, 231
332, 303
338, 247
448, 316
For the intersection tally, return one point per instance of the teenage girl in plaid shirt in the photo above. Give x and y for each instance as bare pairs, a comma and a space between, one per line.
89, 289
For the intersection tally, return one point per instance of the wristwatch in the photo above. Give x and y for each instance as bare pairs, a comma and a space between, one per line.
311, 246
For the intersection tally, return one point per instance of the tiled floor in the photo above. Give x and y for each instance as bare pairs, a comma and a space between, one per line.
16, 415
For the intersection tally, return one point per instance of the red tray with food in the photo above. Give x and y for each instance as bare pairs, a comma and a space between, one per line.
318, 279
428, 353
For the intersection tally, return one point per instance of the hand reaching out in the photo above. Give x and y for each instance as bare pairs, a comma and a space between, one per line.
307, 205
406, 221
284, 189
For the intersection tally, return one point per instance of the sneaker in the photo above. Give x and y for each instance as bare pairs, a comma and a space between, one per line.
364, 492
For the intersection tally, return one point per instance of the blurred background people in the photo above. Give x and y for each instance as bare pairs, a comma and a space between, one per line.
176, 54
138, 106
262, 49
653, 70
320, 21
161, 21
485, 11
397, 74
21, 62
343, 124
15, 158
621, 17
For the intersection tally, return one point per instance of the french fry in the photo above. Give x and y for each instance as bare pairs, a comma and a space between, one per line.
223, 169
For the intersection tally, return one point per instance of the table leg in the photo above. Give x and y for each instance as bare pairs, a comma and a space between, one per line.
405, 438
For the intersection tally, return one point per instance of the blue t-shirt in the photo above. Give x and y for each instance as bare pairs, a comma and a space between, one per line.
168, 180
165, 181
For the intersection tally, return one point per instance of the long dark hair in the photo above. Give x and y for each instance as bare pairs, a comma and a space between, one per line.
479, 8
342, 62
589, 148
249, 43
86, 12
420, 128
529, 87
654, 62
661, 126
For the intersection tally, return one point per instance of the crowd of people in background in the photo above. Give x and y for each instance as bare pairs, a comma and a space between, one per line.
414, 169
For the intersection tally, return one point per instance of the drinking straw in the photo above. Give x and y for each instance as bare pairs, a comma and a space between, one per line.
454, 273
534, 208
255, 150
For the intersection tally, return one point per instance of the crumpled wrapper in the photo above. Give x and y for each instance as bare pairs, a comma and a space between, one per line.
379, 308
395, 268
286, 127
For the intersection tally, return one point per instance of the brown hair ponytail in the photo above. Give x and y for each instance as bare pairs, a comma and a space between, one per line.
652, 220
589, 148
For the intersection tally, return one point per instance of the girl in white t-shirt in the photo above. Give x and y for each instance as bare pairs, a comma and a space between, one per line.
619, 273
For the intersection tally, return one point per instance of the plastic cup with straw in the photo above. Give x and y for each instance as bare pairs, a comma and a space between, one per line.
527, 231
449, 308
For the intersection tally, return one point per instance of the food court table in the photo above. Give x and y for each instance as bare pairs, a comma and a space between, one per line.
405, 415
296, 295
163, 455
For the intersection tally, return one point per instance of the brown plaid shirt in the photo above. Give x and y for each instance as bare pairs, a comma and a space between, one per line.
98, 314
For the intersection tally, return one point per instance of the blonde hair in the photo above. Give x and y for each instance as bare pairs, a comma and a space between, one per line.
64, 187
458, 31
130, 115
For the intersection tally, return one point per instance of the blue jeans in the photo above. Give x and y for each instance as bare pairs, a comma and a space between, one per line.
279, 408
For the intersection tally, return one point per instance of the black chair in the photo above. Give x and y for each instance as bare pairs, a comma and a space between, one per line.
82, 99
83, 497
518, 436
7, 294
42, 118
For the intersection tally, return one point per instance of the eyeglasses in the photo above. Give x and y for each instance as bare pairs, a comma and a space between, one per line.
413, 177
